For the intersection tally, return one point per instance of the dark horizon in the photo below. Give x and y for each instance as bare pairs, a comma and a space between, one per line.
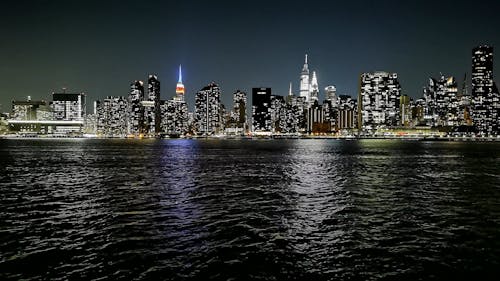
100, 48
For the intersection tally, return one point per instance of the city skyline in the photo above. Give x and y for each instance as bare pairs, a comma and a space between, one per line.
381, 109
42, 56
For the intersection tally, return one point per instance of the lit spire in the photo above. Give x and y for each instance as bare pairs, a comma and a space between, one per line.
179, 90
314, 80
180, 74
305, 68
290, 90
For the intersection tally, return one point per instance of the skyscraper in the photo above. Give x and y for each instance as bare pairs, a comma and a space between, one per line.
304, 82
111, 115
331, 94
314, 88
277, 113
136, 109
152, 118
442, 103
208, 108
378, 101
293, 117
261, 110
346, 113
485, 96
239, 113
174, 117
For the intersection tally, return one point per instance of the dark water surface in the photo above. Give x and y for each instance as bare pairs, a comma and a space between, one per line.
249, 210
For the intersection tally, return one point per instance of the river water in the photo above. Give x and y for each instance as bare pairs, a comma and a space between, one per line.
249, 210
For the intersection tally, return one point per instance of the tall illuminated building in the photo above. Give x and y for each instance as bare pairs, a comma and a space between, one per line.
304, 82
135, 124
175, 112
378, 101
485, 96
314, 88
442, 103
261, 110
151, 104
208, 109
347, 108
239, 112
111, 116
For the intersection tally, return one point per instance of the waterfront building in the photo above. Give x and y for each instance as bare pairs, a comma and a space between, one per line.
277, 113
30, 110
151, 105
378, 102
68, 106
261, 110
65, 115
347, 113
90, 124
237, 121
208, 109
175, 117
136, 109
292, 114
111, 117
330, 111
240, 108
442, 103
405, 109
485, 96
418, 112
28, 116
315, 119
465, 101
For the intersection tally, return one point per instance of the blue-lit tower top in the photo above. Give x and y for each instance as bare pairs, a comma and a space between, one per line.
179, 89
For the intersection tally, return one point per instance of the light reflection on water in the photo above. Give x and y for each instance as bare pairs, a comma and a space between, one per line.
223, 209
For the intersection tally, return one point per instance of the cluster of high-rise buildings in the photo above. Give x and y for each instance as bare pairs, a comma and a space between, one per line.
380, 109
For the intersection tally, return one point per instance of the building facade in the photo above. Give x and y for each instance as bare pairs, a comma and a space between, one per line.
347, 113
151, 104
111, 117
485, 96
135, 116
378, 101
30, 110
68, 106
261, 110
237, 119
208, 109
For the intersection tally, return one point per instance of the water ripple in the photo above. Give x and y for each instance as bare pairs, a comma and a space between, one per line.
245, 210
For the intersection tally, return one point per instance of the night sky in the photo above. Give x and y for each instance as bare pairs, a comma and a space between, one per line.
100, 47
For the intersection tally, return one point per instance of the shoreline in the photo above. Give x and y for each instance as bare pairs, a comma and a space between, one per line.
350, 138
